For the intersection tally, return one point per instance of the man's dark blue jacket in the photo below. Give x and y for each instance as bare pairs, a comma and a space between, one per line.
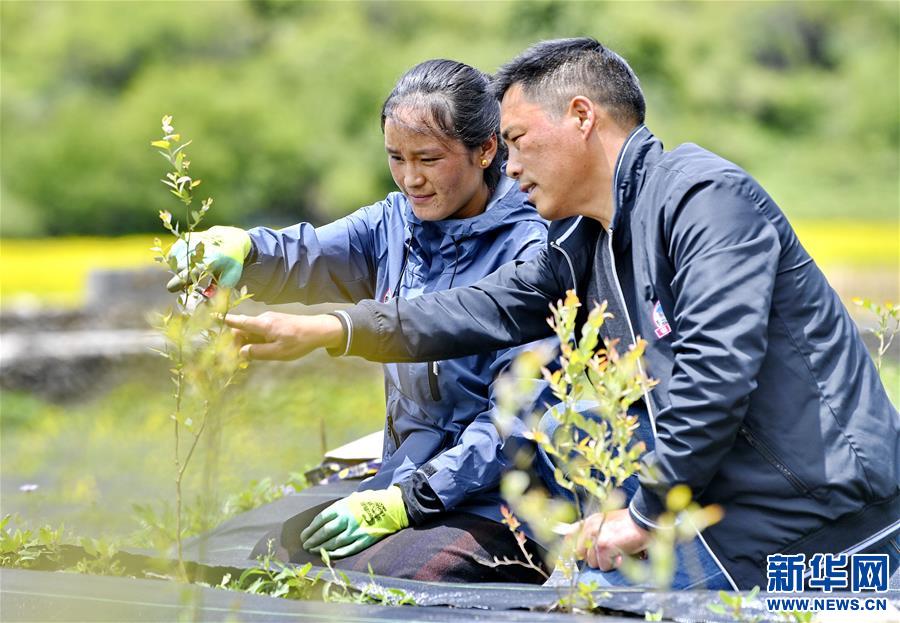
768, 403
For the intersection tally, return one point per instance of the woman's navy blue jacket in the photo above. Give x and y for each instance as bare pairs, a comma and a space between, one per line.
767, 404
439, 427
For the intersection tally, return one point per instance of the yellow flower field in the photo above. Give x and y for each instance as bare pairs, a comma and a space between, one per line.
53, 271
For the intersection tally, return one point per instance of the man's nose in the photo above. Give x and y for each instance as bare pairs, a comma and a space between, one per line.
513, 168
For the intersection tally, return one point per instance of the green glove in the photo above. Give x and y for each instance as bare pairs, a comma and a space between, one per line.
351, 525
224, 252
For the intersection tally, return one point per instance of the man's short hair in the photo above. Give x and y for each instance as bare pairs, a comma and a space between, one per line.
552, 72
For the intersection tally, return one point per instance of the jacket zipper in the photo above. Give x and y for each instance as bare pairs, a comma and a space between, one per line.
433, 381
758, 445
391, 431
615, 275
433, 365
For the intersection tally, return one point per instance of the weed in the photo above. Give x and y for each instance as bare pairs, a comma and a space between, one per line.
277, 579
101, 558
888, 316
46, 549
340, 589
260, 492
734, 605
274, 578
157, 523
25, 549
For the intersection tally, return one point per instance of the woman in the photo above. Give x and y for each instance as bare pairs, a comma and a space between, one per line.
433, 509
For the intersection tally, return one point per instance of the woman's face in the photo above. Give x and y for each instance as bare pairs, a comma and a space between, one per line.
441, 177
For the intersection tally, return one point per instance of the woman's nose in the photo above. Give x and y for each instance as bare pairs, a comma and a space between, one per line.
412, 177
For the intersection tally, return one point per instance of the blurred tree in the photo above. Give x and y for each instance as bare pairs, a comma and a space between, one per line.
805, 95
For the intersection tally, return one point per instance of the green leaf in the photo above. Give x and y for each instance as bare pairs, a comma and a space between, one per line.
180, 147
678, 498
161, 144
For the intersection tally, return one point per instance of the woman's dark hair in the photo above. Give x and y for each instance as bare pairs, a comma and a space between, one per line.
456, 102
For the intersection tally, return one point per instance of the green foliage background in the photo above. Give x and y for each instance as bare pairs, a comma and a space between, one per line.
282, 98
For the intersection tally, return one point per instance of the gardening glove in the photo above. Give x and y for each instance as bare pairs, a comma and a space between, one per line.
351, 525
224, 252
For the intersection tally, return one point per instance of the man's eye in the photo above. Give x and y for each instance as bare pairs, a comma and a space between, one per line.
427, 160
395, 157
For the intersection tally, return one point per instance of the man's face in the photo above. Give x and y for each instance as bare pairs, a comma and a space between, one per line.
546, 154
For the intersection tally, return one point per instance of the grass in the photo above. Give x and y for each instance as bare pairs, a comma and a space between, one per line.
54, 271
93, 461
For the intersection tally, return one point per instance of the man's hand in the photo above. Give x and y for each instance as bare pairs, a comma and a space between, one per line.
224, 252
351, 525
604, 539
282, 337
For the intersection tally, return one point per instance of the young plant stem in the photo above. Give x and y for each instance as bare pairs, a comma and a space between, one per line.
202, 364
179, 392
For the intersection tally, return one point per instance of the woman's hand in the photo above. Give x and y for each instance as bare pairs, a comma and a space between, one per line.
282, 337
224, 252
354, 523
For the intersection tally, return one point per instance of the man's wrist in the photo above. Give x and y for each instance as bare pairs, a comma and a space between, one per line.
331, 331
645, 507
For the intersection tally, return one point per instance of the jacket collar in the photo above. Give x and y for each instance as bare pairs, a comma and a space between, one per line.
507, 205
629, 173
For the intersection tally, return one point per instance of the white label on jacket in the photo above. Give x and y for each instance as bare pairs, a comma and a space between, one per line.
660, 322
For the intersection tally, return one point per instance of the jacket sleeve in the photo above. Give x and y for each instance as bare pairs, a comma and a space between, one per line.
473, 465
507, 308
725, 256
480, 458
335, 263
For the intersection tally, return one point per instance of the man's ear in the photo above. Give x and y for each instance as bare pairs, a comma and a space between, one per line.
584, 113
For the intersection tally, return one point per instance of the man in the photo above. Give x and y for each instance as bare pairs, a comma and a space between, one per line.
767, 402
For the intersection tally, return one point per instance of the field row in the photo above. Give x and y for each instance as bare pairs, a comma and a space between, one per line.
53, 271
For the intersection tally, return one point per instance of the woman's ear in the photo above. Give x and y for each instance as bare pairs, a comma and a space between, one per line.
487, 151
